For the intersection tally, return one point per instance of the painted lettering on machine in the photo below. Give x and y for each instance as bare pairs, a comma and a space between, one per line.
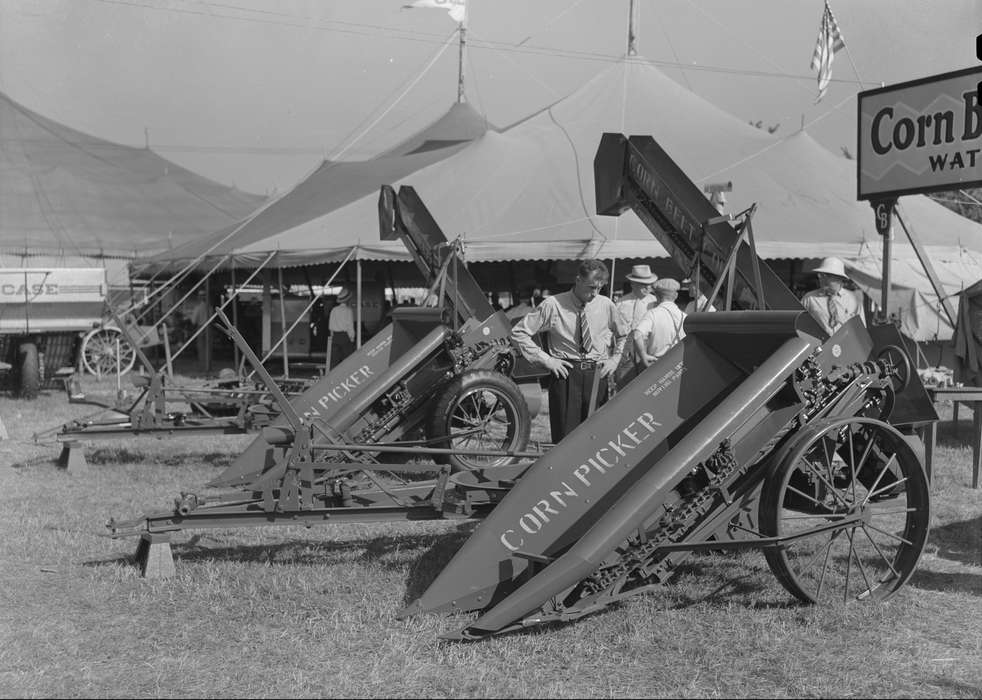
590, 479
920, 136
337, 393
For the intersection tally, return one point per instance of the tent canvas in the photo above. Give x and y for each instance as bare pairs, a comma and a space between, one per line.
527, 192
68, 195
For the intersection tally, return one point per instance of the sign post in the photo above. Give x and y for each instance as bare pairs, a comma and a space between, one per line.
883, 213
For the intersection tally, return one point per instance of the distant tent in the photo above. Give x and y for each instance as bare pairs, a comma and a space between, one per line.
527, 192
67, 198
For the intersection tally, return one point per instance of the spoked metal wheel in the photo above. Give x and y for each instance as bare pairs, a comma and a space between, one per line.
852, 500
99, 352
480, 411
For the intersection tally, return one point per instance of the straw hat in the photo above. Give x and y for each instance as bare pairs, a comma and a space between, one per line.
344, 296
832, 266
642, 275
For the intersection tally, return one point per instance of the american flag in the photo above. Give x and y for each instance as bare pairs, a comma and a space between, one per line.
829, 41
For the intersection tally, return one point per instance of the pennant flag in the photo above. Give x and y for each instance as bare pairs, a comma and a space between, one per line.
456, 8
829, 41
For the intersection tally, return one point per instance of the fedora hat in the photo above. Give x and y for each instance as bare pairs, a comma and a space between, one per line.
344, 295
832, 266
642, 274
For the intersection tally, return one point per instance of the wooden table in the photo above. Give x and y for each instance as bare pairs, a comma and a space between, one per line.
971, 395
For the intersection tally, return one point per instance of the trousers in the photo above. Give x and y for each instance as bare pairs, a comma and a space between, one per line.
569, 400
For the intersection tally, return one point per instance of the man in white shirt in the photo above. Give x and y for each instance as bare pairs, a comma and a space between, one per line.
831, 304
341, 326
698, 298
631, 309
661, 327
584, 346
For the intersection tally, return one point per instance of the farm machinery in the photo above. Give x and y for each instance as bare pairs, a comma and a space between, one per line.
756, 431
453, 352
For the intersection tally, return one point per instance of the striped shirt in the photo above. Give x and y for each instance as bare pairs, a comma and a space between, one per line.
557, 317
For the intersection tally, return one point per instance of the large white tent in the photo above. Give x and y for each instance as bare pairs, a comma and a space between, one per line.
69, 199
527, 192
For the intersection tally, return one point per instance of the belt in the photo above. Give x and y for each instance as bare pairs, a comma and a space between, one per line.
584, 364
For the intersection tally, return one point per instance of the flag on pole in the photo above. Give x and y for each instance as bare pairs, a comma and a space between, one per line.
829, 41
456, 8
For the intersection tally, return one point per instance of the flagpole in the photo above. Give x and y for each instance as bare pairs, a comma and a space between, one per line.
632, 39
462, 30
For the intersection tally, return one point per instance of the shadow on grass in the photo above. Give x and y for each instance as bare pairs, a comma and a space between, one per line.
947, 582
437, 550
122, 455
951, 434
961, 541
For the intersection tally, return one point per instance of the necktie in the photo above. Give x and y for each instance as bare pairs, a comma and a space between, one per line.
833, 311
586, 339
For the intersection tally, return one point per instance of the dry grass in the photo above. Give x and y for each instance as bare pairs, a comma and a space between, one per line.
288, 611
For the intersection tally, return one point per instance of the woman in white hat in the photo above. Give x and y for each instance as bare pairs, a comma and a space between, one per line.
631, 309
831, 304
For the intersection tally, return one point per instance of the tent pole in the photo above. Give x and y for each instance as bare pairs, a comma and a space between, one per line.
358, 302
235, 318
286, 353
928, 269
207, 359
267, 341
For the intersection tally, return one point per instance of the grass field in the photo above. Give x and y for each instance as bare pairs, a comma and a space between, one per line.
289, 611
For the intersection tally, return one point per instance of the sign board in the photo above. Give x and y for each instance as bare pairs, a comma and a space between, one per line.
51, 299
920, 136
52, 286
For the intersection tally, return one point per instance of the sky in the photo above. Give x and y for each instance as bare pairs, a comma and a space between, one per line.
255, 94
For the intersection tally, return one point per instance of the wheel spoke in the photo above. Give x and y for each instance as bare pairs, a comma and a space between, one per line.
859, 564
890, 534
832, 490
880, 552
886, 468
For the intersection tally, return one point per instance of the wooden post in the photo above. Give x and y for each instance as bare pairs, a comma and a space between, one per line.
286, 355
358, 305
267, 341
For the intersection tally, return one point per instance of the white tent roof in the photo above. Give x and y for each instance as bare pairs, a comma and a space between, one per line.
527, 192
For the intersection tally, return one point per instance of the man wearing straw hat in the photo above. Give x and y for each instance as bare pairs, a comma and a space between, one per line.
831, 304
341, 326
631, 309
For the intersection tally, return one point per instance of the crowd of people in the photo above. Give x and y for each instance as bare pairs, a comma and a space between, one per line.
593, 347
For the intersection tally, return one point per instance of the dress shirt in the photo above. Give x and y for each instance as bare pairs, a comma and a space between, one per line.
632, 309
830, 309
342, 320
557, 317
661, 328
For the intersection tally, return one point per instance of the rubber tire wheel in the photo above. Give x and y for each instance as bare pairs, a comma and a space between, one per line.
458, 397
30, 371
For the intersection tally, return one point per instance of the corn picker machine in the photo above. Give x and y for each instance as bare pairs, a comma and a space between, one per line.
454, 354
756, 431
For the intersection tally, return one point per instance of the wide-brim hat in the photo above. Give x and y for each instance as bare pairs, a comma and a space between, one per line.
344, 296
642, 275
832, 266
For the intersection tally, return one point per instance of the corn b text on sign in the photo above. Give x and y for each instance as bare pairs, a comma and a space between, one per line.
920, 136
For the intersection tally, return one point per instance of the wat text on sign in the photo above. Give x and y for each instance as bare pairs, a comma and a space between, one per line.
589, 479
921, 136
